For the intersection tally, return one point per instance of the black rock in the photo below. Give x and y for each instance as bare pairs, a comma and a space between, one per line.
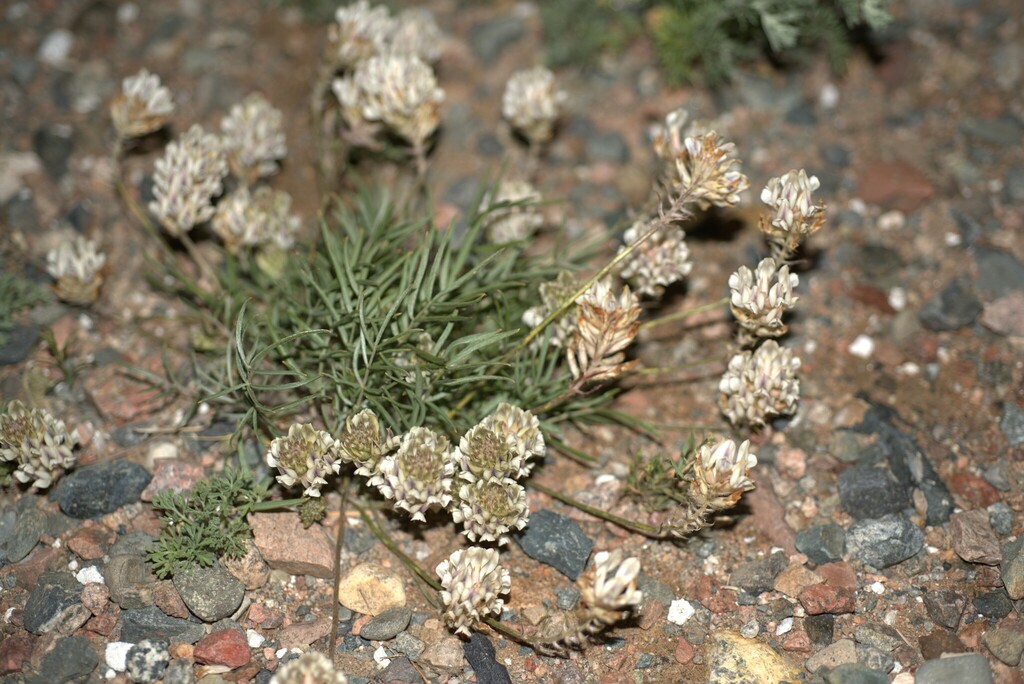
945, 607
72, 659
490, 38
820, 628
479, 652
21, 339
757, 577
999, 272
882, 542
607, 147
869, 492
147, 660
822, 543
102, 488
489, 146
210, 593
387, 625
55, 602
557, 541
29, 527
1013, 186
566, 598
54, 145
993, 604
151, 623
955, 307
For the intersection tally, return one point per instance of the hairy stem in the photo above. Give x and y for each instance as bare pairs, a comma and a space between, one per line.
343, 489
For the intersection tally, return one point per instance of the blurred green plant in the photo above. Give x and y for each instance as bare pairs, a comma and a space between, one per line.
16, 294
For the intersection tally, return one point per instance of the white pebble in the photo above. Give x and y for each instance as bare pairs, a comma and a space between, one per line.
680, 611
750, 629
892, 220
381, 656
828, 98
117, 655
897, 298
56, 47
862, 347
127, 13
785, 625
878, 588
163, 450
908, 368
89, 575
254, 638
953, 239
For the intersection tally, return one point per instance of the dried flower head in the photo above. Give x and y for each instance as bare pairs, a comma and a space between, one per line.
531, 103
552, 294
706, 171
186, 179
306, 455
484, 453
253, 138
309, 668
760, 384
795, 215
522, 426
489, 509
361, 131
76, 264
667, 138
401, 92
142, 107
419, 475
721, 471
35, 444
473, 581
608, 590
248, 219
759, 298
511, 213
359, 31
605, 326
415, 33
662, 259
364, 443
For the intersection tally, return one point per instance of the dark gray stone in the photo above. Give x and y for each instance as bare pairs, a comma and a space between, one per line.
882, 542
54, 145
566, 598
1002, 131
855, 673
409, 645
1011, 570
489, 39
608, 146
822, 543
802, 115
22, 213
820, 628
130, 581
557, 541
880, 635
102, 488
874, 658
55, 601
72, 659
836, 155
180, 672
400, 670
870, 492
955, 307
993, 604
128, 435
29, 527
479, 653
147, 660
132, 544
999, 272
945, 607
1012, 423
210, 593
654, 590
971, 667
1014, 184
387, 625
757, 577
1001, 518
21, 340
151, 623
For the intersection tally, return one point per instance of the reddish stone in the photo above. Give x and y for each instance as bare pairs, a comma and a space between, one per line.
651, 614
175, 475
246, 674
871, 296
684, 651
840, 575
797, 641
15, 652
102, 624
893, 185
27, 572
709, 593
304, 633
286, 545
91, 541
973, 490
357, 624
769, 515
825, 598
167, 599
120, 397
95, 597
226, 647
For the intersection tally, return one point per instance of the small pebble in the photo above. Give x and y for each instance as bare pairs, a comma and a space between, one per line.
680, 611
862, 347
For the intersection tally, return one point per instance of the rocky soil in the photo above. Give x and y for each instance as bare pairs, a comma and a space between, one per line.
887, 530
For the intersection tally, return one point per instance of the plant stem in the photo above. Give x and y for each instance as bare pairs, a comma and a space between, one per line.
673, 369
685, 313
391, 546
278, 505
625, 523
335, 611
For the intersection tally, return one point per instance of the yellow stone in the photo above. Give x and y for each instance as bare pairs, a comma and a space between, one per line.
370, 589
734, 659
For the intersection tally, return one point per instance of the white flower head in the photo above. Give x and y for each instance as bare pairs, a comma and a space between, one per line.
532, 103
794, 215
253, 138
472, 582
360, 31
419, 475
490, 509
484, 453
524, 428
516, 222
709, 171
142, 107
309, 668
364, 443
605, 326
75, 265
306, 456
402, 93
759, 385
186, 179
723, 467
760, 297
36, 443
662, 259
415, 33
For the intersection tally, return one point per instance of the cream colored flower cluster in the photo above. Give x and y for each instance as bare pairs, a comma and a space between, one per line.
253, 139
552, 294
187, 179
794, 215
248, 219
473, 583
511, 213
606, 324
759, 385
532, 104
35, 444
660, 260
76, 266
142, 107
361, 31
309, 668
760, 297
